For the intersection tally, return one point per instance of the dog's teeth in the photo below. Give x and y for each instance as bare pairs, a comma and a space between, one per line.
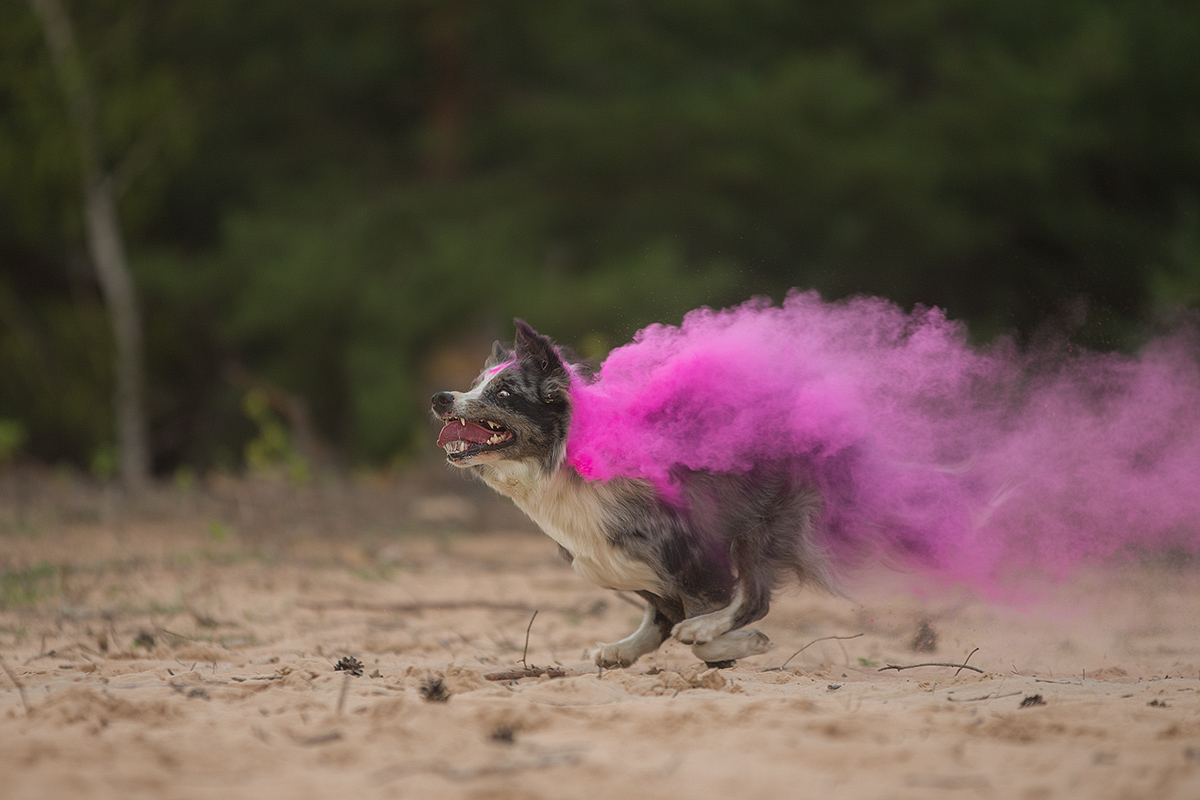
463, 421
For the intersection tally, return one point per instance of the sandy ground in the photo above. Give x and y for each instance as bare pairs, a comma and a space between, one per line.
180, 659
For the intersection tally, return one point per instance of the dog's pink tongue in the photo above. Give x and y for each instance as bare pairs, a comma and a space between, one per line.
455, 431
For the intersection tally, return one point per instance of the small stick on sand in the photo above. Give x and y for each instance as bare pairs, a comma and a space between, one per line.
810, 644
16, 683
961, 666
528, 672
983, 697
528, 628
965, 660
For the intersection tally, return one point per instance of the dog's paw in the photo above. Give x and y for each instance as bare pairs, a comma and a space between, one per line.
613, 656
733, 645
702, 629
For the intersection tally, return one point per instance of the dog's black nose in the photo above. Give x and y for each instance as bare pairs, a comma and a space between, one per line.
443, 402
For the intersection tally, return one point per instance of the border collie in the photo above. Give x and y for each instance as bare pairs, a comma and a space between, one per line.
706, 560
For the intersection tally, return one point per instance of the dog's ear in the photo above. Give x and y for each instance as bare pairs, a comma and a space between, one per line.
499, 355
538, 352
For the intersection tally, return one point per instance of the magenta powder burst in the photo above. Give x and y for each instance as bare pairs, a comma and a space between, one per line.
974, 462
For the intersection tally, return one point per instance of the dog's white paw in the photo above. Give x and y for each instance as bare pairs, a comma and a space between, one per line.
612, 656
733, 645
645, 639
702, 629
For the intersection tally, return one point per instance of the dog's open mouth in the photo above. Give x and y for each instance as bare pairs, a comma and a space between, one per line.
463, 438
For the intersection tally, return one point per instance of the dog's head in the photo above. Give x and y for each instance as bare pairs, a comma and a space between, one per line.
518, 409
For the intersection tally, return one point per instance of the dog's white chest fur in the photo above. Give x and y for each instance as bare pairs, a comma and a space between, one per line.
574, 513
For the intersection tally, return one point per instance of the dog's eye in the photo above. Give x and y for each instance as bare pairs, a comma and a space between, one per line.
502, 394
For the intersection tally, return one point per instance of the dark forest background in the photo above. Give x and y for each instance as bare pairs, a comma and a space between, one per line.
330, 206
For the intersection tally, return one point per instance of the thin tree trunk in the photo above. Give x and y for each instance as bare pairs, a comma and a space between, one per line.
107, 249
105, 244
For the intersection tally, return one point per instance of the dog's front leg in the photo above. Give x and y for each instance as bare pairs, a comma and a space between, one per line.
646, 639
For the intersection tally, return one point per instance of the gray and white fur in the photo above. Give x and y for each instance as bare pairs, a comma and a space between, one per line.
706, 562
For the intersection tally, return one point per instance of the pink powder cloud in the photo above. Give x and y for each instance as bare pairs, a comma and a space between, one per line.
973, 462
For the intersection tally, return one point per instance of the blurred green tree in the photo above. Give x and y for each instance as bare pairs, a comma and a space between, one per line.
76, 142
339, 188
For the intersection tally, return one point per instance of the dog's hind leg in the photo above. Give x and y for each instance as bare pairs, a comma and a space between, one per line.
732, 645
646, 639
706, 627
750, 602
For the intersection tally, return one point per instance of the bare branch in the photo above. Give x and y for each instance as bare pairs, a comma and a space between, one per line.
810, 644
528, 672
961, 667
72, 80
528, 628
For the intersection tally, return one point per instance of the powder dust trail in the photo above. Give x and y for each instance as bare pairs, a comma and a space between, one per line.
974, 462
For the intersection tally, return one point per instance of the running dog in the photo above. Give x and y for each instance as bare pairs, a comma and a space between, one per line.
706, 561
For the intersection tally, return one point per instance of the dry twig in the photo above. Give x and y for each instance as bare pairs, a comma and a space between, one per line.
810, 644
982, 697
528, 628
961, 667
320, 738
528, 672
